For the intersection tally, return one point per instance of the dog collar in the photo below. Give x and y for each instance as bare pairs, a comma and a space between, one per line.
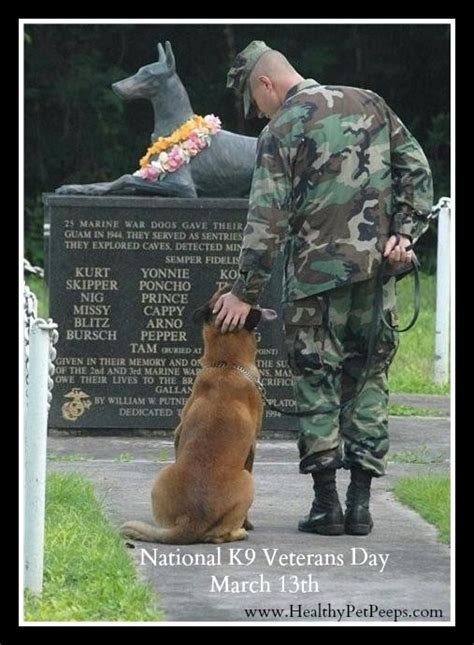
243, 370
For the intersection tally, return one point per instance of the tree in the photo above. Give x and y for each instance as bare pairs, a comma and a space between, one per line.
78, 131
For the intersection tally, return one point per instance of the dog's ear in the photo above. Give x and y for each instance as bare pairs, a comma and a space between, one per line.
268, 314
257, 315
202, 314
253, 318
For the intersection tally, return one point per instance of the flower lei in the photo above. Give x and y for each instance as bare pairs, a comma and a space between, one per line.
176, 150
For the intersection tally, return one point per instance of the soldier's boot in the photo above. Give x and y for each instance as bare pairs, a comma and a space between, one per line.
325, 516
357, 518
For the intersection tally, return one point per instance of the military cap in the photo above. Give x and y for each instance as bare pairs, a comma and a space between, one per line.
240, 71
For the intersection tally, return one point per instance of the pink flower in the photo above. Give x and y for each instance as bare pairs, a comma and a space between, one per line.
213, 123
176, 154
149, 173
200, 141
190, 146
173, 159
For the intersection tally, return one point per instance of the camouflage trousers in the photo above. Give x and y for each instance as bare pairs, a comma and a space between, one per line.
326, 339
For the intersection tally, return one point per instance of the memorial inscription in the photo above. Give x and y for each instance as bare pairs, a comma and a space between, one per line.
125, 275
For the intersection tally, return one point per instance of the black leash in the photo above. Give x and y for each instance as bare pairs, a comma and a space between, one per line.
377, 317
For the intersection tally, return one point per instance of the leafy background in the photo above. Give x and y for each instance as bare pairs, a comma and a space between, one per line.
78, 131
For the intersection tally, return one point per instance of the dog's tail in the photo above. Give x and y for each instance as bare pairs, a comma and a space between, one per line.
179, 534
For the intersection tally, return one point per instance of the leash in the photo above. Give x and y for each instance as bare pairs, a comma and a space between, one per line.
416, 294
377, 317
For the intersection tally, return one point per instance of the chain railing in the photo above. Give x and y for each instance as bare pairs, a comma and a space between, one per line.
30, 313
39, 337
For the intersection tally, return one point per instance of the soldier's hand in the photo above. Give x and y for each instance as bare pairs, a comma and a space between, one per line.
398, 248
231, 312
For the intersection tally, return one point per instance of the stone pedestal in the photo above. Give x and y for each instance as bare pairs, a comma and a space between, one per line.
124, 276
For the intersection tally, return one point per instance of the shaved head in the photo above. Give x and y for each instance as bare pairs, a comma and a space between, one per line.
272, 64
270, 80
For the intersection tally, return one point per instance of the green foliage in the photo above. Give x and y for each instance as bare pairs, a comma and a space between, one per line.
38, 287
88, 575
73, 124
429, 496
437, 149
33, 230
78, 131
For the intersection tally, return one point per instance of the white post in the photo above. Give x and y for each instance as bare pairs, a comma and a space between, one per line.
35, 452
441, 358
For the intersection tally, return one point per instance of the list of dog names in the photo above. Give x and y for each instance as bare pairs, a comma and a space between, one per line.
123, 287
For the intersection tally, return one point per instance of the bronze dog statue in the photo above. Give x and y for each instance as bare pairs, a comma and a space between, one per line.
206, 494
223, 170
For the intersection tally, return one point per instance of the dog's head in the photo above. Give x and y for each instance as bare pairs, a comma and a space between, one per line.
203, 314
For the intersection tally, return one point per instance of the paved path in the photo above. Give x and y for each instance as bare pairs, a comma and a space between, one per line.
439, 403
399, 567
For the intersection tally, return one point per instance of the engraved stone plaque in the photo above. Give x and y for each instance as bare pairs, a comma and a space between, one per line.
125, 275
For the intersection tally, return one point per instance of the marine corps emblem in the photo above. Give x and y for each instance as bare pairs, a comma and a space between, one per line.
80, 402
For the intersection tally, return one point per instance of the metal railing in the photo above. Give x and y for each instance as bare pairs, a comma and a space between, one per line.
442, 211
39, 355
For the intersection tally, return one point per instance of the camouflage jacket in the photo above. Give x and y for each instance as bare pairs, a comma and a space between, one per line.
336, 173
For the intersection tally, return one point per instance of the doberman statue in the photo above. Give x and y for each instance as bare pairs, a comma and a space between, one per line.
224, 169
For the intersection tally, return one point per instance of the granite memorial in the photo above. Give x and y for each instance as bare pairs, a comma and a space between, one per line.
125, 275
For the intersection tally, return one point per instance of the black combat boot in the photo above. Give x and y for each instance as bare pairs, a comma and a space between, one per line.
325, 516
357, 518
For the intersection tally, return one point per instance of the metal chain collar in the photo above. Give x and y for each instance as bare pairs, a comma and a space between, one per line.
254, 378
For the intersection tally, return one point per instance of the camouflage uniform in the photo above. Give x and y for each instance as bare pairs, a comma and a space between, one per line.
336, 174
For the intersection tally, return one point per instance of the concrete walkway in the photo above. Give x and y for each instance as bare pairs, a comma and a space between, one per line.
279, 574
438, 403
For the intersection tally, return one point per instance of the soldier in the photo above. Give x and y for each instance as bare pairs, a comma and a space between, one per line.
339, 182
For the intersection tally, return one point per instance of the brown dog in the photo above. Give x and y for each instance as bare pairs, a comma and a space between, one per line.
205, 495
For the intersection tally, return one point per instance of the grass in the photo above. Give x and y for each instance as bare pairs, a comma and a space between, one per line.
399, 410
420, 455
69, 456
88, 575
123, 457
429, 496
163, 455
412, 368
38, 286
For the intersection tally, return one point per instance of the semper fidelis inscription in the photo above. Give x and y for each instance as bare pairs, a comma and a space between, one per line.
125, 275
